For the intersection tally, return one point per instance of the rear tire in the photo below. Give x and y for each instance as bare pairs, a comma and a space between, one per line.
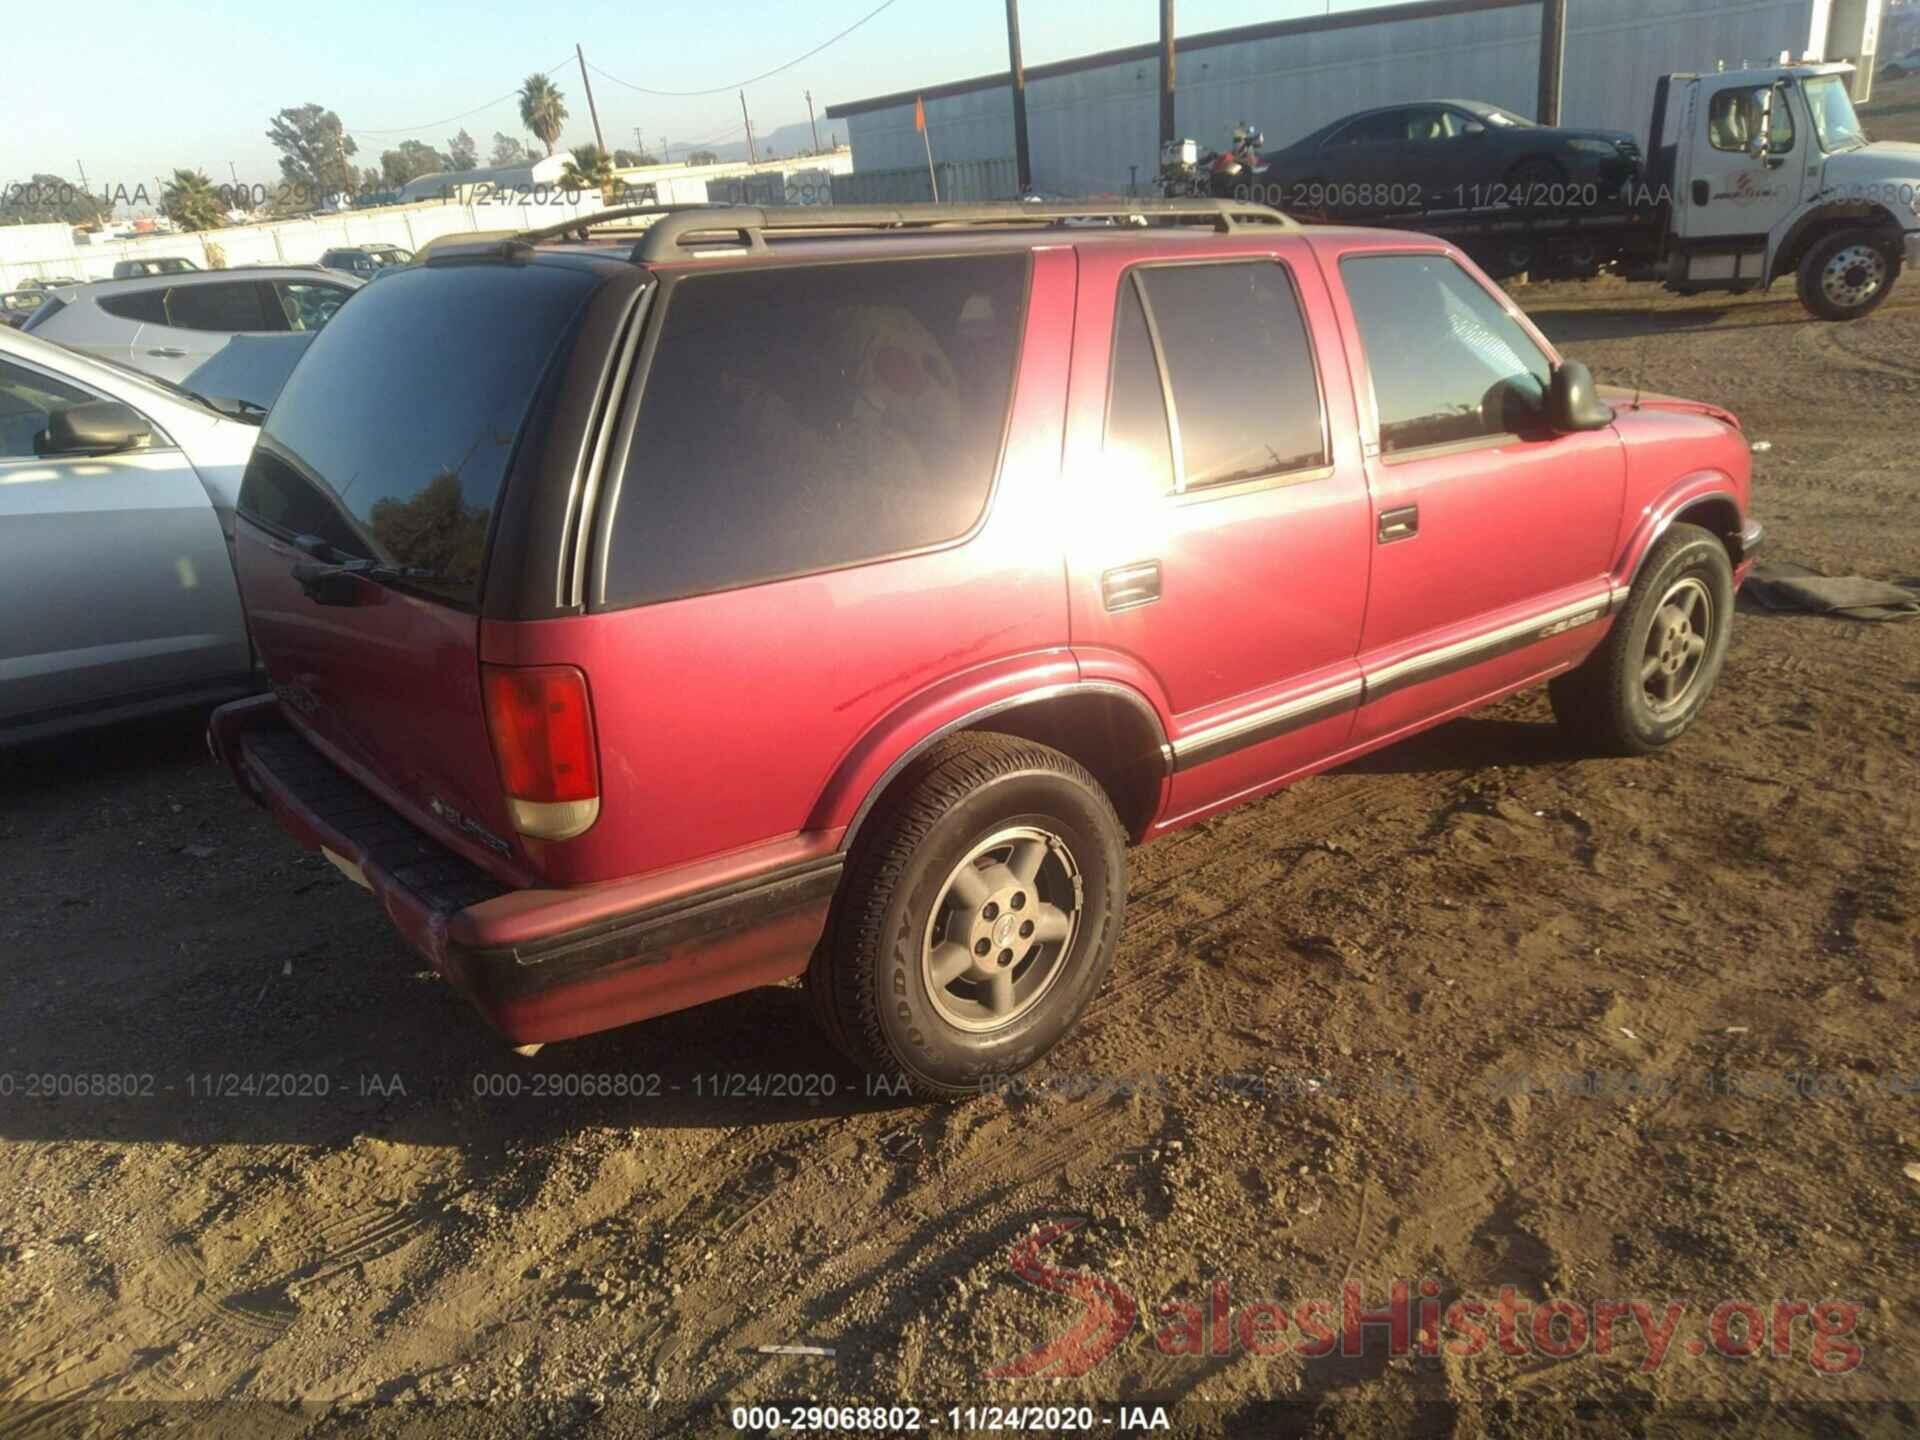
1648, 680
1847, 274
978, 917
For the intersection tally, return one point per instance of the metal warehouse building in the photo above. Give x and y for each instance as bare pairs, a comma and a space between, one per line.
1094, 121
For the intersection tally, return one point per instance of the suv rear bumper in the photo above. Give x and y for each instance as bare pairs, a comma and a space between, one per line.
572, 979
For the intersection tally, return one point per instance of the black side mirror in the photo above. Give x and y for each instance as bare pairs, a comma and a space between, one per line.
1572, 402
93, 427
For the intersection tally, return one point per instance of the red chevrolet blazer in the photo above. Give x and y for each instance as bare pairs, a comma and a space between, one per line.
840, 593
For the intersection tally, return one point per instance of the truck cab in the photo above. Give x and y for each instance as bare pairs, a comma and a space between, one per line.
1767, 173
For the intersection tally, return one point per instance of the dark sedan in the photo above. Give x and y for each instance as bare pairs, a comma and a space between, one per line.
1447, 155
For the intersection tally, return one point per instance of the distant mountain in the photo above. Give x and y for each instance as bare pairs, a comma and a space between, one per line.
786, 141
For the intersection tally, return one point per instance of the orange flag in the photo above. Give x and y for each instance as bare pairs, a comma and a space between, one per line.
919, 115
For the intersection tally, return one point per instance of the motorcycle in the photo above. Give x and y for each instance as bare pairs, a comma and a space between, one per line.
1187, 170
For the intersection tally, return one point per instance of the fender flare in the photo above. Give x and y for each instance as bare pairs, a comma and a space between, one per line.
1822, 213
921, 721
1658, 517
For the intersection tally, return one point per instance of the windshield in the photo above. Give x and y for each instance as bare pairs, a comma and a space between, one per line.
1494, 115
1834, 123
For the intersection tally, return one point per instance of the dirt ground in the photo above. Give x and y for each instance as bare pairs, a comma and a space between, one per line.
1478, 1010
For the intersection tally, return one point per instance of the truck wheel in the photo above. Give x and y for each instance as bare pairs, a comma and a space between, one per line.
1846, 274
977, 919
1653, 672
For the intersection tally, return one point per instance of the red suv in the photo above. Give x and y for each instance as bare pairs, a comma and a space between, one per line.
841, 592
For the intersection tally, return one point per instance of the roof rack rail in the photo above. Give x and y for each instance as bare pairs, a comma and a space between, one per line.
748, 226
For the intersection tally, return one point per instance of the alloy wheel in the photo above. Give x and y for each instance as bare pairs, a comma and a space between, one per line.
1002, 928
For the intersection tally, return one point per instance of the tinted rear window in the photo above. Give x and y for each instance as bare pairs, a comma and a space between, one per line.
393, 435
801, 418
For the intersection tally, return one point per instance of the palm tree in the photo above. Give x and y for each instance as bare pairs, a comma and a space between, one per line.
191, 202
542, 110
590, 168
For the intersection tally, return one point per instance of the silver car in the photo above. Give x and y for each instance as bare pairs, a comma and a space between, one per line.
169, 325
117, 590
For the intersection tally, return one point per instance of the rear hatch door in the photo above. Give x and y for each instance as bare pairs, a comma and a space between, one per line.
365, 521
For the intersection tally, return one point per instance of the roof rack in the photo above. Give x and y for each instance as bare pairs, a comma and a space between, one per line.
678, 227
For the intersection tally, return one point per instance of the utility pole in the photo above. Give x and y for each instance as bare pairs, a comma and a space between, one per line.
749, 119
599, 143
810, 122
1167, 137
1022, 161
1553, 59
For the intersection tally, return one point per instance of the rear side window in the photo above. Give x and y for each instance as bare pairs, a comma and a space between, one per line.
1137, 439
796, 419
393, 435
1246, 396
149, 307
232, 305
1448, 362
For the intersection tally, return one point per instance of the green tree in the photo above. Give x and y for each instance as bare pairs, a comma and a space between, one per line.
411, 160
703, 157
191, 202
313, 147
49, 200
589, 168
543, 110
625, 159
508, 150
462, 153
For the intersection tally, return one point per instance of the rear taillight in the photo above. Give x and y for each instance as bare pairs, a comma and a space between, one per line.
542, 727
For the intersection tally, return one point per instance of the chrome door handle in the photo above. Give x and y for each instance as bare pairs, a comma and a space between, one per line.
169, 352
1131, 585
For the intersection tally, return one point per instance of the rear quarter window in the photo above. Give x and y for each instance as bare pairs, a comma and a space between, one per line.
803, 418
393, 436
149, 307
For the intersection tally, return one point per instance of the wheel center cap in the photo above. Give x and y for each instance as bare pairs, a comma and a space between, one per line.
1003, 930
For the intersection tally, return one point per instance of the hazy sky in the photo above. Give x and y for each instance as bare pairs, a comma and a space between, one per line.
131, 90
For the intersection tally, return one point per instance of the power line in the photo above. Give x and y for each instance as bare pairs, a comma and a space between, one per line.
463, 115
751, 80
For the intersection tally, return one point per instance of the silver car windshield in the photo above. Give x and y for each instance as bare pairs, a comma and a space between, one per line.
1835, 124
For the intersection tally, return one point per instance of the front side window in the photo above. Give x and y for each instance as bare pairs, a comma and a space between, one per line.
308, 305
1246, 396
229, 305
393, 436
1448, 362
799, 419
27, 397
1736, 117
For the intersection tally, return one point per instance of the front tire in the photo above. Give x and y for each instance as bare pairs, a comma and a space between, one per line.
1847, 274
979, 915
1648, 680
